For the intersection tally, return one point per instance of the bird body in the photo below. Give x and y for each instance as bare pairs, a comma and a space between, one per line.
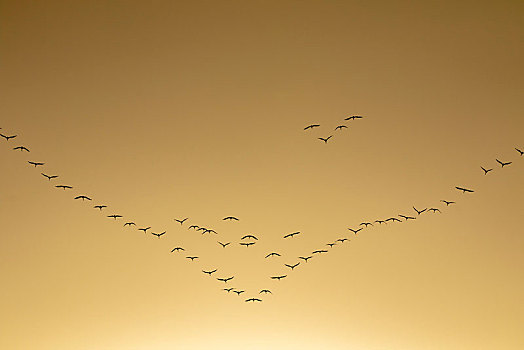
292, 234
249, 237
247, 244
49, 177
230, 218
272, 254
292, 267
325, 139
319, 251
226, 279
278, 277
311, 126
354, 117
21, 148
144, 229
305, 258
253, 300
115, 216
158, 234
64, 187
82, 197
486, 171
503, 164
209, 272
355, 231
180, 221
464, 190
447, 202
7, 138
224, 244
35, 163
177, 249
192, 257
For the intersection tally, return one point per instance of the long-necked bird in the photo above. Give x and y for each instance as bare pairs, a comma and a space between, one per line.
21, 148
520, 152
49, 177
311, 126
292, 234
354, 117
503, 164
447, 202
420, 211
278, 277
319, 251
464, 190
82, 197
340, 127
486, 171
7, 138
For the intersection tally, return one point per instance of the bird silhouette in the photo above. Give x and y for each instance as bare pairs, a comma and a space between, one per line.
209, 272
7, 138
249, 237
380, 221
393, 219
354, 117
247, 244
224, 244
340, 127
342, 240
278, 277
158, 234
406, 217
265, 291
319, 251
253, 300
239, 291
21, 148
325, 139
49, 177
82, 197
356, 231
100, 207
226, 279
35, 163
292, 234
420, 211
447, 202
181, 221
129, 224
65, 187
192, 226
366, 224
464, 190
520, 152
177, 249
192, 257
144, 229
486, 171
114, 216
292, 266
305, 258
434, 210
312, 126
272, 254
503, 164
228, 289
230, 218
210, 231
331, 245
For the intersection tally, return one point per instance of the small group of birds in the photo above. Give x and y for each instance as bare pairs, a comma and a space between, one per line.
338, 127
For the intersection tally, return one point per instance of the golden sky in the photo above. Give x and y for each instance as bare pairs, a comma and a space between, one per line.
174, 109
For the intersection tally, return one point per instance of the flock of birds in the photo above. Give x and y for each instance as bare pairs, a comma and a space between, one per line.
338, 127
250, 239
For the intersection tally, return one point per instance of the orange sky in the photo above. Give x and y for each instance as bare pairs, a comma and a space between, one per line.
165, 110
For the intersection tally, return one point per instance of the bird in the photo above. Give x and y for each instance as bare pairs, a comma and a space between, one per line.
7, 138
115, 216
65, 187
230, 218
325, 139
238, 291
406, 217
253, 300
249, 236
366, 224
420, 211
354, 117
292, 266
35, 163
305, 258
158, 234
356, 231
312, 126
447, 202
486, 171
228, 289
247, 244
144, 229
82, 197
291, 234
181, 221
224, 244
342, 240
265, 291
192, 226
49, 177
278, 277
331, 245
209, 272
393, 219
225, 279
464, 190
177, 249
340, 127
272, 254
208, 230
521, 152
192, 257
21, 148
129, 224
100, 207
434, 210
319, 251
502, 164
201, 229
379, 221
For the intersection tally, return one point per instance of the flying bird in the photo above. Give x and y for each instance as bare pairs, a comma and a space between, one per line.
502, 164
356, 231
420, 211
434, 210
366, 224
129, 224
21, 148
447, 202
325, 139
247, 244
35, 163
100, 207
115, 216
393, 219
158, 234
192, 226
224, 244
7, 138
144, 229
406, 217
319, 251
209, 272
354, 117
331, 244
65, 187
272, 254
520, 152
340, 127
49, 177
228, 289
177, 249
253, 300
342, 240
230, 218
192, 257
82, 197
250, 237
486, 171
380, 221
226, 279
292, 266
464, 190
239, 291
312, 126
181, 221
278, 277
305, 258
211, 231
291, 234
265, 291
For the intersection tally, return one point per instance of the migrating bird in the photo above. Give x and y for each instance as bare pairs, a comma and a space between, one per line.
82, 197
181, 221
230, 218
265, 291
226, 279
192, 226
354, 117
486, 171
115, 216
228, 289
420, 211
312, 126
177, 249
158, 234
319, 251
49, 177
366, 224
464, 190
406, 217
291, 234
192, 257
379, 221
238, 291
35, 163
305, 258
209, 272
7, 138
434, 210
224, 244
340, 127
342, 240
100, 207
325, 139
144, 229
207, 230
292, 266
278, 277
129, 224
356, 231
21, 148
65, 187
249, 236
247, 244
447, 202
393, 219
272, 254
502, 164
253, 299
521, 152
331, 244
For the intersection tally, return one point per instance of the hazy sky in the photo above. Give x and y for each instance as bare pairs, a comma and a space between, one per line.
171, 109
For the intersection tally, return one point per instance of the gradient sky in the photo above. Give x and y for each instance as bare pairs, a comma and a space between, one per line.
196, 109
